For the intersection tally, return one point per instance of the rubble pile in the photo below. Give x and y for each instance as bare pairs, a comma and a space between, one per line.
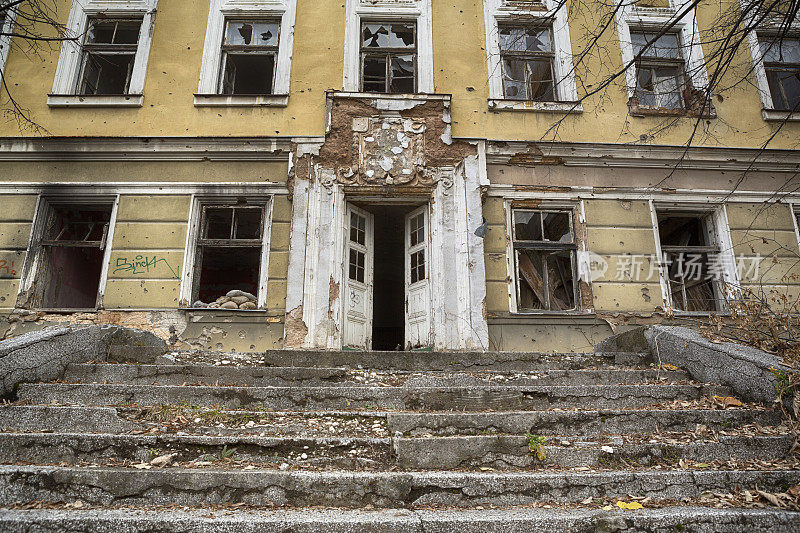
235, 299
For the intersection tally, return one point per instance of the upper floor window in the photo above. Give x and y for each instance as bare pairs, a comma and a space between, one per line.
109, 52
781, 57
389, 57
659, 70
527, 58
249, 55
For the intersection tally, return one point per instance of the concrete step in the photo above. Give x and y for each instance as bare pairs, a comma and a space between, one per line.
512, 451
684, 519
496, 451
475, 398
504, 361
589, 422
255, 376
194, 487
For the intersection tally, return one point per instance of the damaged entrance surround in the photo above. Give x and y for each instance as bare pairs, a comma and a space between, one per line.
387, 148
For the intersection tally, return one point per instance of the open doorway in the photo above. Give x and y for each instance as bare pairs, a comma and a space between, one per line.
388, 312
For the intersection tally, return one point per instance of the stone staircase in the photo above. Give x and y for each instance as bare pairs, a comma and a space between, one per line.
390, 442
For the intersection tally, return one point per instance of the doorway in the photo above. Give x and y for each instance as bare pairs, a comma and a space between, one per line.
387, 298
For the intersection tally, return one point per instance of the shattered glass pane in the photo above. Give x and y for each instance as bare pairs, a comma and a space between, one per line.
514, 86
545, 280
402, 36
256, 33
248, 73
665, 47
527, 226
113, 32
248, 223
784, 87
375, 35
540, 81
402, 74
106, 73
557, 227
777, 49
219, 223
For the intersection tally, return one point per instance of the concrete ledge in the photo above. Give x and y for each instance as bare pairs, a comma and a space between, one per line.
747, 371
44, 355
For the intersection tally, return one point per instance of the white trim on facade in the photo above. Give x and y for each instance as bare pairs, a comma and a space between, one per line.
388, 10
767, 108
5, 40
554, 12
208, 85
629, 16
69, 62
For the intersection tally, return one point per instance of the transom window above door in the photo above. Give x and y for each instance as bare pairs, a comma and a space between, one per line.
389, 57
249, 56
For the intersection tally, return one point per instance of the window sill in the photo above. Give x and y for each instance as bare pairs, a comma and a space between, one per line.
83, 100
502, 104
641, 111
243, 100
774, 115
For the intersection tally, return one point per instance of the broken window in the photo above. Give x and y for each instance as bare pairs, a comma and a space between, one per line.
526, 54
545, 260
781, 56
249, 56
72, 251
389, 57
660, 70
691, 259
109, 52
228, 256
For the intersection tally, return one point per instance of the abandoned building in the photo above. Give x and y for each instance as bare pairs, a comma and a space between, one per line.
385, 174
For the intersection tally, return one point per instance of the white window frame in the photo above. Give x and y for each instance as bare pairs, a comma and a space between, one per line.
5, 40
222, 10
190, 255
33, 258
497, 12
647, 19
418, 11
768, 111
64, 92
722, 235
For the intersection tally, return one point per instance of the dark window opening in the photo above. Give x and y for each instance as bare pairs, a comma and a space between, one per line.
545, 257
72, 252
660, 70
228, 256
526, 55
109, 52
782, 66
249, 56
389, 57
691, 259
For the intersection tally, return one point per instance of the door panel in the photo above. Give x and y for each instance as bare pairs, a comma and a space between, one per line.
358, 261
417, 272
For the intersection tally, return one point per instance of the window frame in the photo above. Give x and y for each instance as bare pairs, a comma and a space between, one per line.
723, 246
70, 62
653, 63
209, 83
192, 257
357, 11
7, 27
513, 245
530, 56
630, 18
389, 53
545, 13
45, 205
92, 49
760, 70
226, 49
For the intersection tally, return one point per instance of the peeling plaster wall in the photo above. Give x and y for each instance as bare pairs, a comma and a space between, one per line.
16, 218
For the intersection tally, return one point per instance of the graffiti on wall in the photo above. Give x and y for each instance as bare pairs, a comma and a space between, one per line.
11, 264
142, 264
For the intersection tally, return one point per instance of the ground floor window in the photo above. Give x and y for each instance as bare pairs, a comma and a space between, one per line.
544, 250
228, 257
71, 255
691, 259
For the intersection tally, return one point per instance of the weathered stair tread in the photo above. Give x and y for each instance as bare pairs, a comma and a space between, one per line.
473, 398
501, 451
125, 487
585, 422
686, 519
283, 376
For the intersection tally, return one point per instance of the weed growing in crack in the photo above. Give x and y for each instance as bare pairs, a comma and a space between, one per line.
536, 446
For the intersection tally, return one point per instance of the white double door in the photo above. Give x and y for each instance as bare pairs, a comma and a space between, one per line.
359, 261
